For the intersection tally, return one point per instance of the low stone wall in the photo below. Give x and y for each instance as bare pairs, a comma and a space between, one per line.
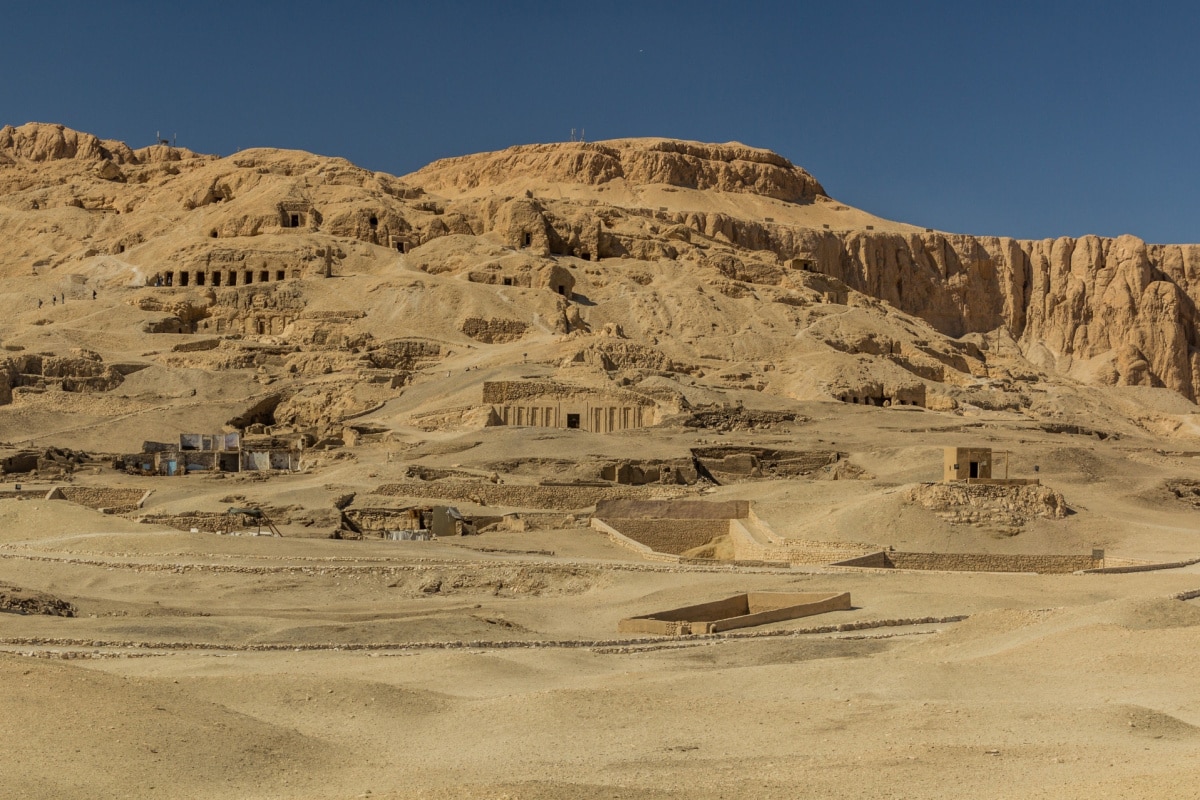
207, 521
559, 498
975, 562
1121, 568
98, 497
23, 494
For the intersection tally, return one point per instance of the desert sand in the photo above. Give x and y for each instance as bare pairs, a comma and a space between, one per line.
718, 289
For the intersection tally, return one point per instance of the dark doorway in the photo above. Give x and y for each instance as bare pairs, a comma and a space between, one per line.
278, 274
216, 278
264, 276
974, 469
528, 239
199, 278
562, 290
294, 221
572, 420
183, 279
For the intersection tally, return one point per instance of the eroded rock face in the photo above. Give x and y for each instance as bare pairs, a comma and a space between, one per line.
729, 167
1064, 300
1109, 311
982, 504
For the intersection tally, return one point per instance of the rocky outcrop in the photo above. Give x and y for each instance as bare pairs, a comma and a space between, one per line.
36, 141
16, 600
984, 504
729, 167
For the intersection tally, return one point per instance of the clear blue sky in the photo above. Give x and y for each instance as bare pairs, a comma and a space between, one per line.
1028, 119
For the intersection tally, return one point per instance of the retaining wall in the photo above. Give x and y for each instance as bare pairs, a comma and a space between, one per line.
560, 497
975, 562
98, 497
672, 509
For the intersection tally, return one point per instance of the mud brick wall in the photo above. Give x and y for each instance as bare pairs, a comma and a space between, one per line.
559, 498
977, 562
202, 521
102, 497
671, 535
672, 509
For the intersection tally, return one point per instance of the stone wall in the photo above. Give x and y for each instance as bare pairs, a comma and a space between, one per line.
559, 497
673, 509
107, 497
976, 562
208, 521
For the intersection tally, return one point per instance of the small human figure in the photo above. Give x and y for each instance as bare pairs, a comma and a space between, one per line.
39, 302
93, 294
54, 299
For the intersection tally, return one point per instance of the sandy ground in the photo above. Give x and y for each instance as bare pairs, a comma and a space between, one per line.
511, 680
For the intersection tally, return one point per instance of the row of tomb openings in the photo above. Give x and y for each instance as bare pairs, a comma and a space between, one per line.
884, 402
214, 278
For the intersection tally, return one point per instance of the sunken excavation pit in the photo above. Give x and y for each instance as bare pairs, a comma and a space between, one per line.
740, 611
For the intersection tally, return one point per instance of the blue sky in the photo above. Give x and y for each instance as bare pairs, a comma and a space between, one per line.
1027, 119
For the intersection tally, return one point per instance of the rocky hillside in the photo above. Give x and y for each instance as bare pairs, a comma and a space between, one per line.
285, 285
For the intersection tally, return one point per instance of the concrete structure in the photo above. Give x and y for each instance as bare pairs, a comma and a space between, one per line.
967, 463
975, 465
220, 452
555, 405
739, 611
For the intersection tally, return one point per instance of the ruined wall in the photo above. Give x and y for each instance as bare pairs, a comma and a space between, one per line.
112, 498
977, 562
673, 509
557, 497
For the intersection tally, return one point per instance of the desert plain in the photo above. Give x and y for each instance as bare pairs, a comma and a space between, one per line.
532, 337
